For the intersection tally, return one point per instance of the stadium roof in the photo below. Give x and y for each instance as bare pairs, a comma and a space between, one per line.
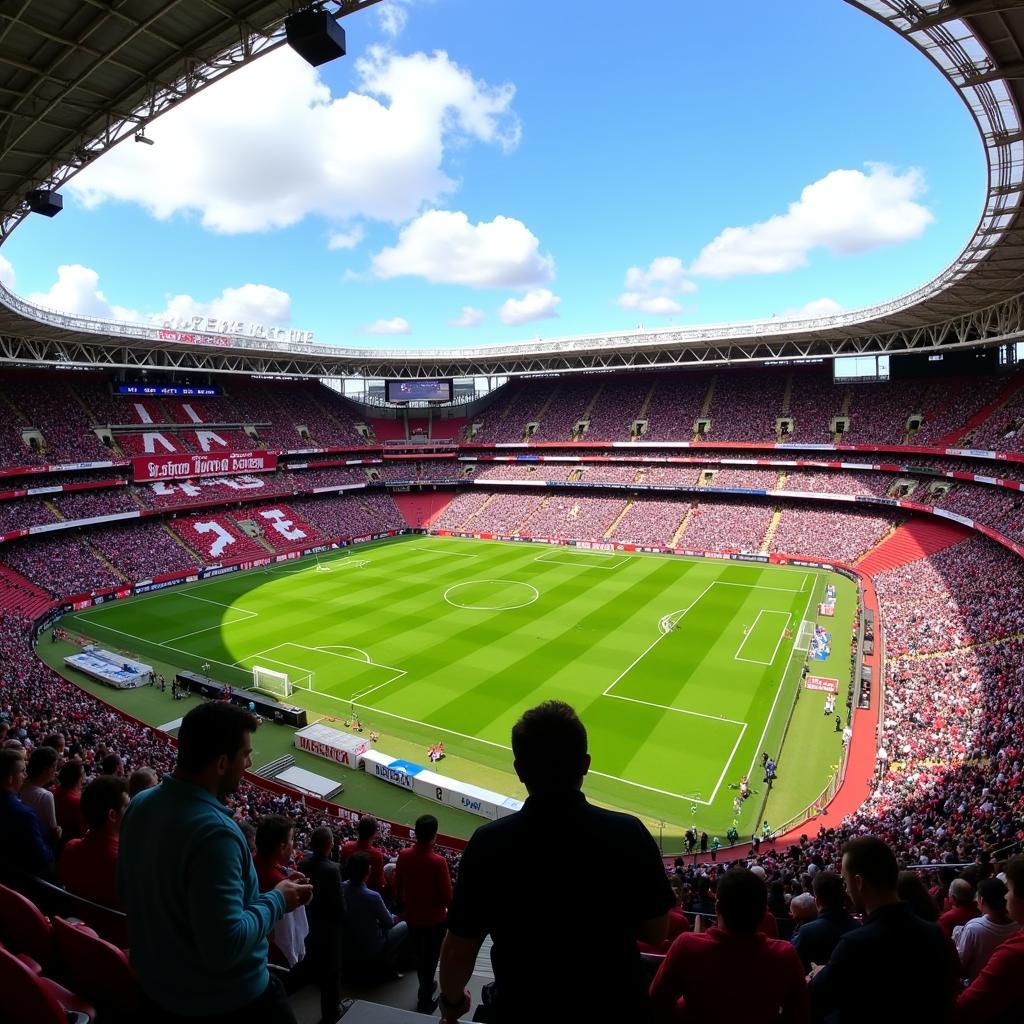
78, 76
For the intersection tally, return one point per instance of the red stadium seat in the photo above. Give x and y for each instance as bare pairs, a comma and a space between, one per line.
23, 926
96, 968
28, 998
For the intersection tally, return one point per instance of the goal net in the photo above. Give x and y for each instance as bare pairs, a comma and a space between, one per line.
804, 637
275, 684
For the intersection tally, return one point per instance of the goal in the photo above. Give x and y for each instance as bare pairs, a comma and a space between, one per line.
275, 684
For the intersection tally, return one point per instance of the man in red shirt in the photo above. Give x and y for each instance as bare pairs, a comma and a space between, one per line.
424, 887
366, 829
88, 866
997, 994
700, 968
67, 800
962, 906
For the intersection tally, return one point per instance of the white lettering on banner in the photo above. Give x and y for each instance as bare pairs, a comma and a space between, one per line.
207, 439
150, 440
215, 325
390, 775
283, 526
142, 413
343, 757
224, 539
191, 413
245, 483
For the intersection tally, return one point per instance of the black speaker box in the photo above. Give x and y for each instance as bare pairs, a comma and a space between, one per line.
45, 201
315, 36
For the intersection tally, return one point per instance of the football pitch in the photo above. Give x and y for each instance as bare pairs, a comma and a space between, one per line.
683, 670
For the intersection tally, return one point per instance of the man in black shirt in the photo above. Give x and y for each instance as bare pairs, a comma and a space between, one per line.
896, 967
816, 939
565, 890
326, 916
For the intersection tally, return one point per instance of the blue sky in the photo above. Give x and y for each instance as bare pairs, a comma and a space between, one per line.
477, 172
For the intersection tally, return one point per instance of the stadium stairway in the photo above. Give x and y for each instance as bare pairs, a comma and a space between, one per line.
914, 540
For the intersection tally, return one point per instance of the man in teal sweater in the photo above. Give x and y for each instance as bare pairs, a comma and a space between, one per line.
197, 922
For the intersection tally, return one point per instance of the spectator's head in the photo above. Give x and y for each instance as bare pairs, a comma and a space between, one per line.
961, 892
741, 901
104, 801
275, 838
426, 828
912, 890
992, 898
803, 908
141, 779
367, 827
870, 873
71, 775
829, 893
357, 868
215, 746
111, 764
42, 766
549, 744
321, 842
12, 769
55, 740
1014, 871
249, 831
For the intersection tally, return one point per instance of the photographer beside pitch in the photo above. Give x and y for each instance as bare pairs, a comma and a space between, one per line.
560, 951
197, 922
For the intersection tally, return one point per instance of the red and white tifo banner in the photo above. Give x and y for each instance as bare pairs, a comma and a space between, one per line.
822, 683
184, 465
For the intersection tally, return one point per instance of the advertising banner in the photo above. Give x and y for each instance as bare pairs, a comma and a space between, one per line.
183, 465
822, 683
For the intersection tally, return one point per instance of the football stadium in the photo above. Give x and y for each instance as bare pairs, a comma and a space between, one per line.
347, 677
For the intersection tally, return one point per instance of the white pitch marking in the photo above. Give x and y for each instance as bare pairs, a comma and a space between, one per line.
759, 661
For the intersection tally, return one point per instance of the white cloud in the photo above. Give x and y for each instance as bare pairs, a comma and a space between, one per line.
538, 304
392, 15
269, 145
816, 307
6, 273
345, 239
653, 290
256, 303
442, 246
77, 291
469, 317
396, 325
845, 212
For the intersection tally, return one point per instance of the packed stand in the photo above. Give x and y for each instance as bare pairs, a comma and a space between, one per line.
672, 476
280, 526
675, 407
461, 508
86, 504
441, 470
750, 478
354, 515
1003, 430
164, 494
20, 513
523, 471
605, 472
62, 563
814, 399
140, 551
650, 522
829, 532
835, 482
727, 526
746, 405
950, 404
335, 476
575, 517
215, 537
618, 407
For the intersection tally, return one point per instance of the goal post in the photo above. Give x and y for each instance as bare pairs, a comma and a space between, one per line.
275, 684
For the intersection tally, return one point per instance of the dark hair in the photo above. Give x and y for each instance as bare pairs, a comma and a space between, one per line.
870, 858
52, 740
367, 827
993, 892
9, 757
829, 890
40, 760
321, 840
70, 773
111, 764
1014, 871
549, 744
104, 794
271, 831
212, 730
357, 868
742, 900
141, 778
912, 890
425, 828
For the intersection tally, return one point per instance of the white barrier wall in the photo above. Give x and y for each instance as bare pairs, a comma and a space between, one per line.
439, 788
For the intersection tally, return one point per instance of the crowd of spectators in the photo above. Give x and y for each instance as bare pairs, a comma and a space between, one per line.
950, 404
61, 563
826, 532
601, 472
650, 522
167, 494
86, 504
746, 405
573, 397
574, 517
754, 478
354, 515
20, 513
819, 481
618, 407
675, 407
140, 550
333, 476
724, 525
461, 509
216, 537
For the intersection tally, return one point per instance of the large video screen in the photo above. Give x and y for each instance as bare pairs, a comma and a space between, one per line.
400, 391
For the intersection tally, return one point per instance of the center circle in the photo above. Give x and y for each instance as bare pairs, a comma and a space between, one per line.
491, 595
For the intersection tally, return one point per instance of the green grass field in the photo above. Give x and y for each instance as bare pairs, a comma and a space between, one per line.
681, 669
